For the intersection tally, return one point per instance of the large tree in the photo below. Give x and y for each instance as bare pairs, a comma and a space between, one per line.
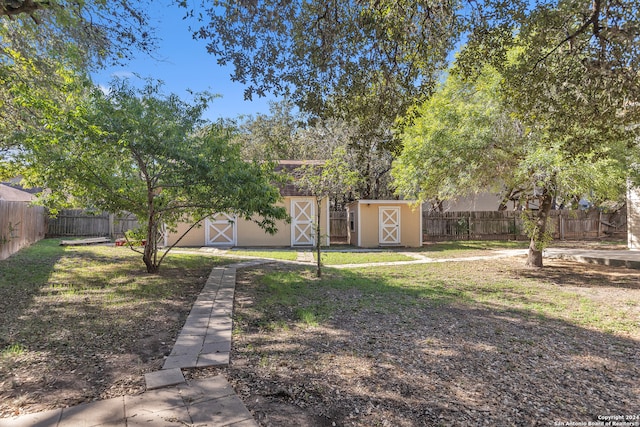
570, 74
572, 64
365, 61
466, 140
140, 151
44, 44
285, 133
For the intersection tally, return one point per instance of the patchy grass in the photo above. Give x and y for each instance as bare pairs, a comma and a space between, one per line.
464, 343
85, 322
283, 254
391, 289
340, 258
469, 248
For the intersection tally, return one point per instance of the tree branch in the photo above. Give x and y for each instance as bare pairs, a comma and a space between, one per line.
17, 7
179, 239
593, 20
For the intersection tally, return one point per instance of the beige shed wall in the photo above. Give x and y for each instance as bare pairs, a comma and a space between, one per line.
352, 234
368, 223
250, 234
195, 237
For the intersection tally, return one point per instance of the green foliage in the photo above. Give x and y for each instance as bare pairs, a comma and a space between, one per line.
365, 62
467, 139
331, 177
285, 134
462, 142
140, 151
360, 55
86, 33
571, 65
13, 350
45, 46
531, 227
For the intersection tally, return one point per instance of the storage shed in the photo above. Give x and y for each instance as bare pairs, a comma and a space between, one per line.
385, 223
226, 230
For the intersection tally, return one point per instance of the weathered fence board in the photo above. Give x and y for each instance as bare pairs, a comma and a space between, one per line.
20, 226
79, 223
338, 226
505, 225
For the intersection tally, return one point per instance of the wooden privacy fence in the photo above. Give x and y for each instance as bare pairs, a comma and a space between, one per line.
508, 225
20, 225
338, 226
79, 223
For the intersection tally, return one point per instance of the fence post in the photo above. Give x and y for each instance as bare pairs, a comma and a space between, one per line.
560, 226
111, 226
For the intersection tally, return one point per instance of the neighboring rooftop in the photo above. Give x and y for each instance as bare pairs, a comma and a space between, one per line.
12, 194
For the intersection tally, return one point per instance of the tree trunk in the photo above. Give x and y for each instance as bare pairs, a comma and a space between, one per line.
534, 258
150, 253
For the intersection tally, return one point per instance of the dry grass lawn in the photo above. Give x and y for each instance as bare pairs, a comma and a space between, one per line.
85, 323
477, 343
467, 343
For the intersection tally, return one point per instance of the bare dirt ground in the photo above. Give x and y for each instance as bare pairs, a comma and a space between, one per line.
445, 363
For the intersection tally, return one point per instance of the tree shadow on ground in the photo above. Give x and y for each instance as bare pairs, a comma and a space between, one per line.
388, 356
573, 273
90, 325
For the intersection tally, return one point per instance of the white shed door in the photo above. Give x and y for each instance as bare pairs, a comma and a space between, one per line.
302, 216
389, 233
220, 230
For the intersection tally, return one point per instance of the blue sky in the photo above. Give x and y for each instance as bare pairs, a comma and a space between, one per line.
183, 64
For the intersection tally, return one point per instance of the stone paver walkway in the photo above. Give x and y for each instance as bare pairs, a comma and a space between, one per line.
205, 340
305, 256
210, 402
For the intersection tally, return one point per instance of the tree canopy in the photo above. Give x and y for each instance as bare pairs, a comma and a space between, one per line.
572, 64
466, 140
45, 44
153, 155
287, 134
87, 32
354, 60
